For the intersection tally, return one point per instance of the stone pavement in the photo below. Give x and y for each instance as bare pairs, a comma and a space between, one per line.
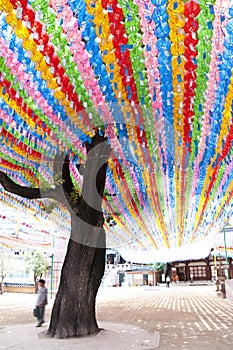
113, 336
187, 317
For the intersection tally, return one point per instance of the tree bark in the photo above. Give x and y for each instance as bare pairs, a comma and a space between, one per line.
73, 312
2, 284
35, 284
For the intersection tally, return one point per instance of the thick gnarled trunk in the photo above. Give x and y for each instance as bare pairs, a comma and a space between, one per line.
74, 308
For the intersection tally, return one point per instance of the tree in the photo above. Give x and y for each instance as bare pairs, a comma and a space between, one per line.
158, 266
73, 312
6, 266
36, 261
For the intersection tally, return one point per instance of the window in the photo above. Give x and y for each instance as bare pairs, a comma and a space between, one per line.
198, 271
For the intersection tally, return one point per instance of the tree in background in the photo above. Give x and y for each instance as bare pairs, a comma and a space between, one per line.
36, 261
158, 266
6, 266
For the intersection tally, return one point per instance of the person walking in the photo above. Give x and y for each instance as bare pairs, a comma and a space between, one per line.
42, 300
168, 280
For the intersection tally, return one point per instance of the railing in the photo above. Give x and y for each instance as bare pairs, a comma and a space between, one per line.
18, 285
19, 288
125, 266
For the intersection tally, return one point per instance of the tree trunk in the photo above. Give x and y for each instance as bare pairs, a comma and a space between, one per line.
74, 308
73, 312
35, 284
2, 284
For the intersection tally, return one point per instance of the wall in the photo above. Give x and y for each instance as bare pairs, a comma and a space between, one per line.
229, 289
19, 289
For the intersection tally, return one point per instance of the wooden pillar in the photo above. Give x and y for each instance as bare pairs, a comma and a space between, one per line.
186, 272
208, 270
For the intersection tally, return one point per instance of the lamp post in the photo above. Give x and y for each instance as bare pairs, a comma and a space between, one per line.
227, 268
215, 265
51, 276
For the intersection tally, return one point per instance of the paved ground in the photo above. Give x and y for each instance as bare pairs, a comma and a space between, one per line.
180, 317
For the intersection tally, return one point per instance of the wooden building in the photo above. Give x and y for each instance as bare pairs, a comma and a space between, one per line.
143, 277
206, 269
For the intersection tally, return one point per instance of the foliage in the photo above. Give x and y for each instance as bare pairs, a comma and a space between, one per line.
6, 266
36, 261
109, 220
48, 207
57, 180
158, 266
75, 195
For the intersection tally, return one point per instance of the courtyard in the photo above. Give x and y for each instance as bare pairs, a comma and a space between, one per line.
185, 317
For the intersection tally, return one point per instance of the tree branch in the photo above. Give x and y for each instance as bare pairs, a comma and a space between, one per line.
67, 183
61, 170
25, 192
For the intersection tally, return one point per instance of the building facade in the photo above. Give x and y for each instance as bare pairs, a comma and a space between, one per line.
208, 269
